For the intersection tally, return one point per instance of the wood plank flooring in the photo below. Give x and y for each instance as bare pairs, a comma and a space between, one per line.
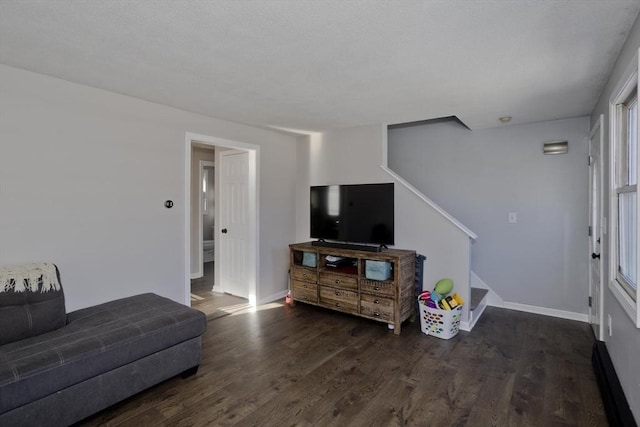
306, 366
213, 304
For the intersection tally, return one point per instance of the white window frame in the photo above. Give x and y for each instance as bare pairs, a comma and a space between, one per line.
626, 296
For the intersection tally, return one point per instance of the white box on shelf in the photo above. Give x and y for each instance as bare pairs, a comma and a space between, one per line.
377, 270
309, 259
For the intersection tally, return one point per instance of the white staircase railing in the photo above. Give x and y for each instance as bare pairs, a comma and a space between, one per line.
430, 202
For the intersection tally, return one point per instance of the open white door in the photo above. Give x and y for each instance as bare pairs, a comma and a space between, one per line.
596, 227
234, 226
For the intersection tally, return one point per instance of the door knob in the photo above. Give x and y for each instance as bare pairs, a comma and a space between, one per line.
594, 256
223, 231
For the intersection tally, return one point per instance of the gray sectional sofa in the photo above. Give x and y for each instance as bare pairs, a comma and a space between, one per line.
57, 368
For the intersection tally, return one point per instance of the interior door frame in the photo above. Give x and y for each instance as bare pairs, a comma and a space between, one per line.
200, 272
254, 169
201, 165
597, 130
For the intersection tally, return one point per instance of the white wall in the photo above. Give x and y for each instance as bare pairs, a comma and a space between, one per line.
354, 156
303, 208
624, 344
79, 187
479, 176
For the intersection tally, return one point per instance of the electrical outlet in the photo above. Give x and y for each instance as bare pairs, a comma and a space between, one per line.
513, 217
609, 325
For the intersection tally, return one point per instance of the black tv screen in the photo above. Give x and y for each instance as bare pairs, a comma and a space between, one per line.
361, 213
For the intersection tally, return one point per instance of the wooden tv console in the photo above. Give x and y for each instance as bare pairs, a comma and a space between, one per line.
347, 288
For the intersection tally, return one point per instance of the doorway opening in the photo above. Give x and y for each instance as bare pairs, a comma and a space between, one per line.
221, 226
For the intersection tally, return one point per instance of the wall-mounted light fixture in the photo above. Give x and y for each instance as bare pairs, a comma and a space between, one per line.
555, 147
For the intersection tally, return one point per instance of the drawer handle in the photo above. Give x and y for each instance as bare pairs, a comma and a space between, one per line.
337, 281
305, 298
375, 301
305, 275
338, 293
376, 314
304, 286
337, 304
376, 288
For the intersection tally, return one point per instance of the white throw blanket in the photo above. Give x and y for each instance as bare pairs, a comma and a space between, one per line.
19, 278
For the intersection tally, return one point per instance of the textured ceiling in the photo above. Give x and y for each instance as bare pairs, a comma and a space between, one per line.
319, 65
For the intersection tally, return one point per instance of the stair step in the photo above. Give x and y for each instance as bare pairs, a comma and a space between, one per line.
477, 294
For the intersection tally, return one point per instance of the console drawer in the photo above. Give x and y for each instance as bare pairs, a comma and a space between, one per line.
339, 299
380, 287
376, 307
304, 291
338, 280
305, 274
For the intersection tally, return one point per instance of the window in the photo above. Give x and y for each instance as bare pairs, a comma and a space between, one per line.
627, 196
205, 178
624, 196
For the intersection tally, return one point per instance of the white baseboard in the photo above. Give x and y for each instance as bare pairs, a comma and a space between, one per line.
196, 275
570, 315
273, 297
494, 300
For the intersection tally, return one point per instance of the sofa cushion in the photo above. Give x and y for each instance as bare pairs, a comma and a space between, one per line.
95, 340
31, 301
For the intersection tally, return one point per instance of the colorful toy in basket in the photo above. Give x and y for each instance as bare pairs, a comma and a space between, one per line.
451, 302
440, 297
426, 298
443, 286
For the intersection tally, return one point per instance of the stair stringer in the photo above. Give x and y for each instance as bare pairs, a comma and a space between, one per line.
493, 299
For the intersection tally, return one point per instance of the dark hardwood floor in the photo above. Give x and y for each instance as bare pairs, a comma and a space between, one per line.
308, 366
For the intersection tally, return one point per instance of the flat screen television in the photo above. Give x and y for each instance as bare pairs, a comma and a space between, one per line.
359, 213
